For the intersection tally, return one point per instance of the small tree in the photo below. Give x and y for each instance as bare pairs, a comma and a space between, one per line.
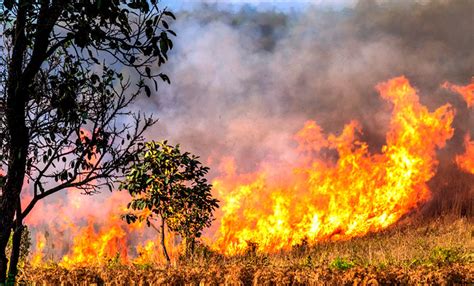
168, 185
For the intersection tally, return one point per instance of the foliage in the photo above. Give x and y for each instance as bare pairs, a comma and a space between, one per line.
342, 264
171, 185
442, 255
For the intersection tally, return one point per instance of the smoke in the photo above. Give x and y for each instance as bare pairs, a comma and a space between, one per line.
244, 82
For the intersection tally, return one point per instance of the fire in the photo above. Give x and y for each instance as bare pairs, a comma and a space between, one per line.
466, 161
337, 189
151, 251
334, 189
147, 253
86, 136
467, 91
37, 258
103, 244
91, 247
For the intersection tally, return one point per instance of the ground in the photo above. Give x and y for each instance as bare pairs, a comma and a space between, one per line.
437, 252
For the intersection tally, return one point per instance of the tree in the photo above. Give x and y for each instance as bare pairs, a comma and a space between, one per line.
168, 185
63, 99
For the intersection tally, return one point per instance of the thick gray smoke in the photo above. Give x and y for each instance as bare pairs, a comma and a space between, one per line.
243, 82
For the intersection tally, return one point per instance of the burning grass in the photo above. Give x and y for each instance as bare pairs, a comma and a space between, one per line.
320, 196
437, 252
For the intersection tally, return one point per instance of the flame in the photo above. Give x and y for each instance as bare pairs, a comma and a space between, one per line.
103, 244
38, 256
466, 161
334, 188
147, 253
151, 251
335, 197
467, 91
86, 136
91, 247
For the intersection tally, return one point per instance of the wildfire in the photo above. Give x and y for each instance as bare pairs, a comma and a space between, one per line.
465, 161
349, 194
151, 252
86, 136
334, 189
467, 91
109, 243
37, 258
91, 247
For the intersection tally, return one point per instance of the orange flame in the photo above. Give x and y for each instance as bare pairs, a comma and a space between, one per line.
354, 193
151, 251
37, 258
91, 247
467, 91
465, 161
85, 135
334, 189
108, 243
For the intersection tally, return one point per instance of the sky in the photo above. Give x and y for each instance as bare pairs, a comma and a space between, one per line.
260, 5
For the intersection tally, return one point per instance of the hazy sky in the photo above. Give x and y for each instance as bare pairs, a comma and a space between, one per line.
259, 4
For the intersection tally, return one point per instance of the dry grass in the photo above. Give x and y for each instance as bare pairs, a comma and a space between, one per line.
440, 252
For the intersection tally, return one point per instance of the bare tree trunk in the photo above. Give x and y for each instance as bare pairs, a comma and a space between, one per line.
16, 172
17, 136
4, 236
189, 246
165, 253
15, 255
9, 201
16, 244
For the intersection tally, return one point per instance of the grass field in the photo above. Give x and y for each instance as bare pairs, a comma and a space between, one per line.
438, 252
